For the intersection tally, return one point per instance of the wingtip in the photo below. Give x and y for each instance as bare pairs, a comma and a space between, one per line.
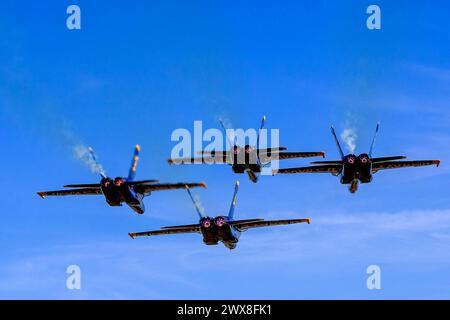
237, 183
132, 235
308, 220
274, 172
204, 185
322, 153
138, 147
437, 162
41, 194
170, 161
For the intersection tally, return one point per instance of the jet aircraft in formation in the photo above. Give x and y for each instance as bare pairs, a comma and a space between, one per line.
354, 169
351, 168
221, 228
120, 189
248, 159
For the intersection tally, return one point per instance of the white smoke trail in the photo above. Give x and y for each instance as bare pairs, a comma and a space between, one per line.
225, 120
83, 154
349, 136
80, 152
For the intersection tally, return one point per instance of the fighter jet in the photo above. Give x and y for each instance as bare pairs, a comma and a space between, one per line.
221, 228
120, 190
354, 169
248, 159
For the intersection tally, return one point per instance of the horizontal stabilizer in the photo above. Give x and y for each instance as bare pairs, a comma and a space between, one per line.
83, 185
182, 226
142, 182
270, 150
327, 162
210, 153
246, 221
383, 159
330, 168
291, 155
244, 225
98, 185
265, 158
146, 188
217, 158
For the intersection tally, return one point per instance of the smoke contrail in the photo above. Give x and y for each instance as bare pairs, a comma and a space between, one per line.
225, 120
81, 152
349, 136
84, 154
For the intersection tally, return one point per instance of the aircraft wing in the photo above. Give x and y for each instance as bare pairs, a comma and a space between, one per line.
330, 168
243, 225
209, 159
335, 162
98, 185
270, 150
146, 188
72, 192
83, 185
290, 155
182, 226
384, 159
403, 164
135, 182
167, 230
213, 153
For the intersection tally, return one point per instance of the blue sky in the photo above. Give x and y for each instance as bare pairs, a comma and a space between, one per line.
137, 71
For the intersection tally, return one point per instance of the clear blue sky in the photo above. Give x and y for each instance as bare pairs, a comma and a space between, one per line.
138, 70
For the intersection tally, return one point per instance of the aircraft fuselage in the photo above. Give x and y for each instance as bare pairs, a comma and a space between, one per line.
215, 230
246, 160
118, 191
356, 169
